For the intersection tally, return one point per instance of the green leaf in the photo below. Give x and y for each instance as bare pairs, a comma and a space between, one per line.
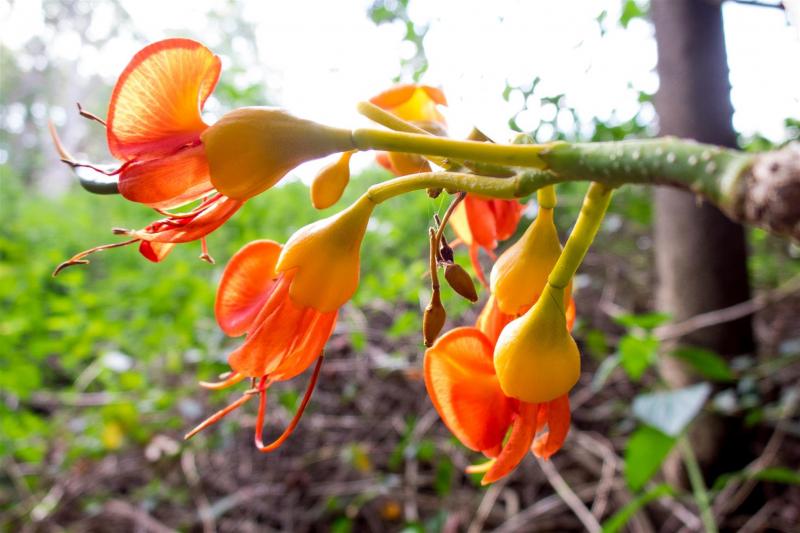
646, 450
706, 363
637, 354
621, 517
646, 321
774, 474
671, 411
630, 11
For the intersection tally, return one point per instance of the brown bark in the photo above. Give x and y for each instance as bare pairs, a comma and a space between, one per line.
700, 254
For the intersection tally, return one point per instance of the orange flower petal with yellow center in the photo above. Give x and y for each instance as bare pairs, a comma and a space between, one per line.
413, 103
461, 382
156, 103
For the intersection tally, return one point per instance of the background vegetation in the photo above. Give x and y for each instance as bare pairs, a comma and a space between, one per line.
98, 368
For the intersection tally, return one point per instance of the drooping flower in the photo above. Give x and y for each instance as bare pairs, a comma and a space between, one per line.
464, 387
417, 104
170, 157
481, 223
286, 300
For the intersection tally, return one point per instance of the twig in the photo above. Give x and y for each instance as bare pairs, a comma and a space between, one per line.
522, 519
189, 467
570, 498
138, 516
486, 506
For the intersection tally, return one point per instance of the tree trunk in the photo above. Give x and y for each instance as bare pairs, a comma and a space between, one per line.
700, 254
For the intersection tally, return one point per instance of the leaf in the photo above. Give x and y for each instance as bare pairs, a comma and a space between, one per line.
630, 11
621, 517
637, 354
646, 321
604, 372
706, 363
646, 450
774, 474
671, 411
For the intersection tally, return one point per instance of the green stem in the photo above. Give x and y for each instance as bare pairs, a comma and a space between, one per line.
712, 171
491, 187
513, 155
698, 485
592, 211
546, 197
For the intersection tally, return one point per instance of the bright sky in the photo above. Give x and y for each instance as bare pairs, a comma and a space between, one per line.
319, 57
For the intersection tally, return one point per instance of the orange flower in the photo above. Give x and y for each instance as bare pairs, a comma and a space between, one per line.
286, 299
416, 104
464, 388
483, 222
171, 157
154, 128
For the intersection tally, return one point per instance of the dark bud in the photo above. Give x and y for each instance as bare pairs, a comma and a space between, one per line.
460, 281
434, 192
433, 320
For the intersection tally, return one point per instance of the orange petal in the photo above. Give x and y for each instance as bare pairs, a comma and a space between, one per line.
491, 321
507, 214
558, 419
394, 96
522, 432
155, 251
460, 379
187, 229
571, 311
156, 103
481, 220
316, 329
246, 284
168, 181
271, 340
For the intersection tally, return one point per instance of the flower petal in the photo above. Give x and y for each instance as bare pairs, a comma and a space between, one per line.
246, 284
507, 214
522, 432
481, 220
315, 332
191, 228
460, 379
558, 419
168, 181
155, 251
156, 103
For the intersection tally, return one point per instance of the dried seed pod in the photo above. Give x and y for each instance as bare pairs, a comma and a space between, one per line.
460, 281
433, 319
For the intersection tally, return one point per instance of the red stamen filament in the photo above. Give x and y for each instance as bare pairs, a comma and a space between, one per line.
79, 258
204, 255
262, 408
216, 417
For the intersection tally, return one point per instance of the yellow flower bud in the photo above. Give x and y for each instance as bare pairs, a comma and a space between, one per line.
251, 148
520, 273
326, 256
536, 358
329, 184
405, 164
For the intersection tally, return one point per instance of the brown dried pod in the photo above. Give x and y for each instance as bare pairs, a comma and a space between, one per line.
433, 192
433, 319
460, 281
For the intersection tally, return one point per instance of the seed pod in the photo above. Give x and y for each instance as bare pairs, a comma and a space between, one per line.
433, 320
460, 281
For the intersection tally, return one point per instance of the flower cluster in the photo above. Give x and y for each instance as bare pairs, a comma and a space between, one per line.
501, 386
